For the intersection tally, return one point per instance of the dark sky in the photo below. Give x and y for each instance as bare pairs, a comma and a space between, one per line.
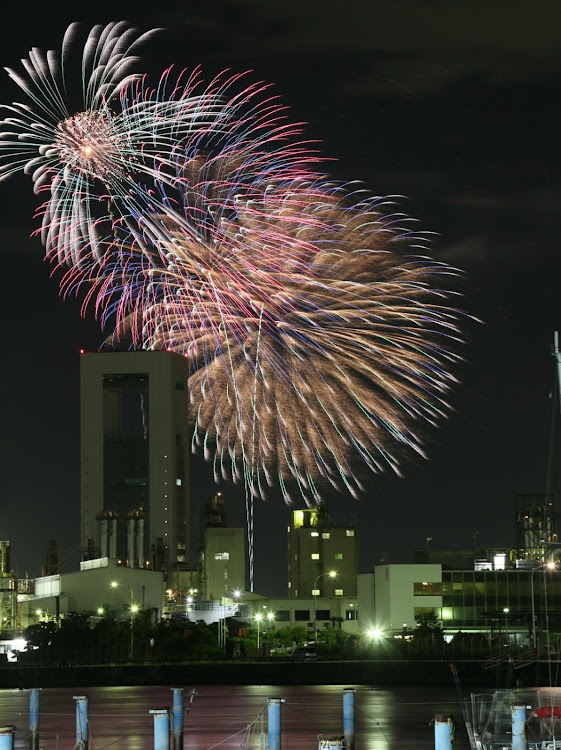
454, 106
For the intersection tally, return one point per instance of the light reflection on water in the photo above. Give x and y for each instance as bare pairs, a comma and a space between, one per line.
119, 719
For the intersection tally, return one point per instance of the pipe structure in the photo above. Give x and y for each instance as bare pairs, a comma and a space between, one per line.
349, 718
443, 732
177, 718
518, 715
130, 543
103, 535
274, 723
113, 539
81, 722
161, 728
140, 542
34, 718
7, 737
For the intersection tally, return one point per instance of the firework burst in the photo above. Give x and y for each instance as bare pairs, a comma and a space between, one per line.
195, 219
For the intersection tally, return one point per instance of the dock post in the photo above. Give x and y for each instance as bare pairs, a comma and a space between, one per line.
161, 728
349, 718
177, 718
7, 737
81, 722
34, 718
274, 723
519, 740
443, 732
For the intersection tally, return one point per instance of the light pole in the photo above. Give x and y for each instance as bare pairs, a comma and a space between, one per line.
331, 574
544, 566
133, 608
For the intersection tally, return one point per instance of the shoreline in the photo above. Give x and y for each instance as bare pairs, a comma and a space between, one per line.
248, 672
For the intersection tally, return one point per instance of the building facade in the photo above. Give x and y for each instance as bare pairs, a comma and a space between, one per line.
135, 445
322, 556
223, 563
491, 600
338, 612
99, 588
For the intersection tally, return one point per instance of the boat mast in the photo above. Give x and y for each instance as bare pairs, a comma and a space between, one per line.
557, 357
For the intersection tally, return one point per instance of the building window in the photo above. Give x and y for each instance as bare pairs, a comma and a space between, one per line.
221, 555
314, 533
323, 614
424, 588
325, 535
338, 592
301, 614
282, 615
315, 555
351, 614
350, 532
316, 592
339, 556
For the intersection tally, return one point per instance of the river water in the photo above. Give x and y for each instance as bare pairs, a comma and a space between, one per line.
220, 716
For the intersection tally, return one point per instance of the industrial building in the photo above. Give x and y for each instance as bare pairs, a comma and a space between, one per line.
494, 596
222, 552
322, 556
8, 589
135, 446
99, 588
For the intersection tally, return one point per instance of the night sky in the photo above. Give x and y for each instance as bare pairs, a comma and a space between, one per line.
453, 106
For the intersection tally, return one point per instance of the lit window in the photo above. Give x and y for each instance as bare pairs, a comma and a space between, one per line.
178, 482
315, 555
325, 535
315, 592
221, 555
314, 533
426, 588
338, 592
350, 532
339, 556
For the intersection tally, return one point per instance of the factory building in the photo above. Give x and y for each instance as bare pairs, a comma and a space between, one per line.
222, 552
135, 445
322, 556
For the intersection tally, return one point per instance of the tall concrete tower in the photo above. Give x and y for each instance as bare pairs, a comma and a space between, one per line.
135, 444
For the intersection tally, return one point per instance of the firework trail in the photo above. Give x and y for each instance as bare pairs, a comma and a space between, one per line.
194, 218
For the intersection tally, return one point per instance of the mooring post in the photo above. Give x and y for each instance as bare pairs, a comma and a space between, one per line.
349, 718
443, 732
519, 740
34, 718
177, 718
161, 728
7, 737
81, 722
274, 723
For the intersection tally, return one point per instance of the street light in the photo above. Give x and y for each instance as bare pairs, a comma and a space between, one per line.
133, 608
331, 574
